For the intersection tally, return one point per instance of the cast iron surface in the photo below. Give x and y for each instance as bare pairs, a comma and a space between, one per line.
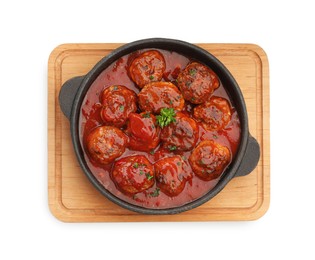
74, 91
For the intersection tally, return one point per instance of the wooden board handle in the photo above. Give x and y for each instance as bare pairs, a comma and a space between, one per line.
250, 159
67, 94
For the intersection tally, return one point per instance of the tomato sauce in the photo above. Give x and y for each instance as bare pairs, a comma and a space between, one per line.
117, 74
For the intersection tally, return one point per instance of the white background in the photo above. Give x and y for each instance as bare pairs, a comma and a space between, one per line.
30, 30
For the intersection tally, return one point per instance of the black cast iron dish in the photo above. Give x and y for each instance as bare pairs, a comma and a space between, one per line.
74, 90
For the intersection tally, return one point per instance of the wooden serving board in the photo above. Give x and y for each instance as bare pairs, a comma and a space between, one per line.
72, 198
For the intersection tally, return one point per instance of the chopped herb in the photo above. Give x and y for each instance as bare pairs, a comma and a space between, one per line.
171, 102
146, 115
155, 193
209, 171
121, 108
172, 147
149, 176
151, 77
115, 88
141, 172
192, 99
135, 165
166, 117
201, 162
179, 163
215, 136
192, 72
187, 84
152, 152
184, 157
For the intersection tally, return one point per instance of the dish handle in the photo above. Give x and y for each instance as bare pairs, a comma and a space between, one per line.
67, 94
250, 159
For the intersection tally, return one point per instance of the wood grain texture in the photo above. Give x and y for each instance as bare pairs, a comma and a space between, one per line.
72, 198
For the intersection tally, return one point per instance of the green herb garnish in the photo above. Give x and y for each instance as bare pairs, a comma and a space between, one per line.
192, 72
146, 115
187, 84
167, 116
135, 165
201, 162
172, 147
121, 108
155, 193
152, 152
141, 172
149, 176
151, 77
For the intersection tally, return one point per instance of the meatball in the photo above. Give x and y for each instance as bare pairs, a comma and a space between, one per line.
214, 114
118, 102
180, 135
157, 95
209, 159
147, 67
171, 175
143, 131
133, 174
197, 82
105, 143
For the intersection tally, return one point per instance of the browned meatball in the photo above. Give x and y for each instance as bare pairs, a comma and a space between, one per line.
197, 82
157, 95
105, 143
171, 175
147, 67
180, 135
214, 114
118, 102
209, 159
133, 174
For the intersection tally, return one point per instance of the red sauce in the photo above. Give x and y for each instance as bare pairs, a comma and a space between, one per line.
117, 74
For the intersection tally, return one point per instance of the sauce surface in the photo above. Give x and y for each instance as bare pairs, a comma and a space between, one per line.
153, 197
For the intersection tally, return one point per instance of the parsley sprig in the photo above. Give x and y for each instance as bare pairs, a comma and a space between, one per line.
167, 116
155, 193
